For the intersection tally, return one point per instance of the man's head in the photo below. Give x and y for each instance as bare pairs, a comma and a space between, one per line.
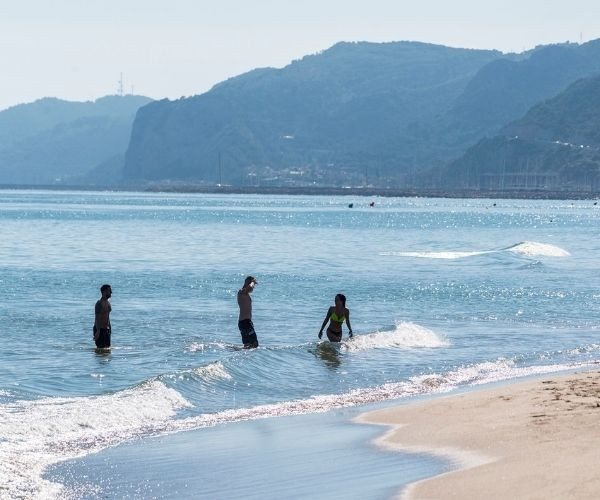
249, 283
106, 291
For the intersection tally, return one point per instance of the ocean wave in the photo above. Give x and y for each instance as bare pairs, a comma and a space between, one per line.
46, 431
201, 347
525, 248
477, 374
406, 335
535, 249
43, 432
437, 255
214, 370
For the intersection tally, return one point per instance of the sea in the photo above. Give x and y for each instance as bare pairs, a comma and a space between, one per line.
443, 294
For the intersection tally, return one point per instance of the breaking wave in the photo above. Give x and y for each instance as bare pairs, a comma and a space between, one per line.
535, 249
39, 433
212, 371
525, 248
406, 335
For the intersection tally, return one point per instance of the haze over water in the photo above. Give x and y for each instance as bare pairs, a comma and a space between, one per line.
442, 294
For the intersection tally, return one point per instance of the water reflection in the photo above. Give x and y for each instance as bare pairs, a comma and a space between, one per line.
329, 353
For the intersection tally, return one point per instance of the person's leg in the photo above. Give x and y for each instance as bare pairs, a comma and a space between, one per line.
252, 340
103, 340
248, 334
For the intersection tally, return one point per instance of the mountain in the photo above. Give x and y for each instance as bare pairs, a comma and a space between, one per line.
556, 145
505, 89
394, 113
52, 141
324, 118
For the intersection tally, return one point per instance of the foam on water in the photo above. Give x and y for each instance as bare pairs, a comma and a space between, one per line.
213, 371
476, 374
437, 255
42, 432
406, 335
525, 248
535, 249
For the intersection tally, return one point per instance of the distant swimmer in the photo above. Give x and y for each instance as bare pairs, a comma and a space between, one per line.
245, 320
102, 328
372, 204
336, 315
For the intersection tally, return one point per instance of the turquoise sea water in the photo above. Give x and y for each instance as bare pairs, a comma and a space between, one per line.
442, 293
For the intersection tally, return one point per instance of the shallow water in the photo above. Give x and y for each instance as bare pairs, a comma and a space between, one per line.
442, 294
308, 456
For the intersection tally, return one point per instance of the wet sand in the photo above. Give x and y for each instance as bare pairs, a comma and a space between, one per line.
532, 439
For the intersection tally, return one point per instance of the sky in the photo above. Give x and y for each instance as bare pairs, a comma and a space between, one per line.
77, 49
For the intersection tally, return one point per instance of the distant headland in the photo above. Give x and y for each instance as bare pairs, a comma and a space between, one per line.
398, 117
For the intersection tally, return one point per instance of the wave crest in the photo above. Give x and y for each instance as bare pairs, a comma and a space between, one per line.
525, 248
214, 370
406, 335
536, 249
49, 430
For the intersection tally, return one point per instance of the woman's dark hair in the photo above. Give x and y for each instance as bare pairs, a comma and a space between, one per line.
342, 297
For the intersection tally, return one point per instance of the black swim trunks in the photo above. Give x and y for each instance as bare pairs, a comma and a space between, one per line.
248, 334
103, 340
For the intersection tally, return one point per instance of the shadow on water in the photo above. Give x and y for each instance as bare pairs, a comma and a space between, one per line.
329, 353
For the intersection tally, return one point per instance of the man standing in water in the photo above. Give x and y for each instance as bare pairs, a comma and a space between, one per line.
102, 319
245, 320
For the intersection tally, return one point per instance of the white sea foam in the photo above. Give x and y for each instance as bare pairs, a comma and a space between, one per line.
45, 431
212, 371
535, 249
195, 346
526, 248
437, 255
481, 373
199, 346
406, 335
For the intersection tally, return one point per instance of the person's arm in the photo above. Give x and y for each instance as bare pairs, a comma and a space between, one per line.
348, 323
325, 322
97, 310
246, 288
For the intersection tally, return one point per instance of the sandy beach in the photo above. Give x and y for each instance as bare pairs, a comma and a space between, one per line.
532, 439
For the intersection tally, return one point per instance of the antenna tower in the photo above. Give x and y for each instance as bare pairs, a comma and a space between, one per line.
120, 88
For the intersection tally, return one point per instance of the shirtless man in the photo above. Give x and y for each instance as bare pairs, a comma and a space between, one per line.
245, 319
102, 319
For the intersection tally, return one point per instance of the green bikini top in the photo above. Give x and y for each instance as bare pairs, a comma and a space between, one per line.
338, 319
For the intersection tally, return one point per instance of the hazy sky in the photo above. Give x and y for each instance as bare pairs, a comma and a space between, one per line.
76, 49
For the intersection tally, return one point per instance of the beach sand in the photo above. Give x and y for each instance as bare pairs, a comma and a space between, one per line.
532, 439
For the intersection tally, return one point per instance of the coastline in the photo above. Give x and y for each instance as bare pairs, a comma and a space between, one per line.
182, 188
530, 439
318, 455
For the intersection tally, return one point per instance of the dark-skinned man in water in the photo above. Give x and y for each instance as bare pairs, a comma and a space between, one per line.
245, 319
102, 328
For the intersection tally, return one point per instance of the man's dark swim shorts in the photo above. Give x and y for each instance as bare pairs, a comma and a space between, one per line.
248, 334
103, 340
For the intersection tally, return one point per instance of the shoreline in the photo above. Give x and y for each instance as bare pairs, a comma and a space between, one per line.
526, 439
319, 455
320, 191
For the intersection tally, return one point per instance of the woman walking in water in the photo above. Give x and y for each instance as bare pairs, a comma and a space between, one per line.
336, 315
